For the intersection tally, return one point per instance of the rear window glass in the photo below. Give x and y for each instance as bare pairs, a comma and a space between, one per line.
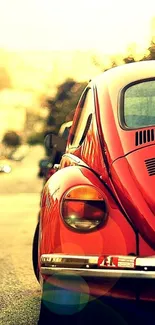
139, 105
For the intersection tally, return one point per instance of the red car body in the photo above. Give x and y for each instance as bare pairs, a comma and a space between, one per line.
97, 217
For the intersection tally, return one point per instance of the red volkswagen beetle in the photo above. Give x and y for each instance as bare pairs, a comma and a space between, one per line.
96, 233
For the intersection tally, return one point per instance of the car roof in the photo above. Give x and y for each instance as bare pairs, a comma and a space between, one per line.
117, 78
127, 73
109, 85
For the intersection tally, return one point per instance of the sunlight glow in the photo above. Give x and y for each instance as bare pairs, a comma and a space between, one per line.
107, 26
43, 42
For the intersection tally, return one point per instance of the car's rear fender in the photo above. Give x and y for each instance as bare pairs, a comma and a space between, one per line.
116, 236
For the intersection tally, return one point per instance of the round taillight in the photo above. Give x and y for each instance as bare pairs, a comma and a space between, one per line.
84, 208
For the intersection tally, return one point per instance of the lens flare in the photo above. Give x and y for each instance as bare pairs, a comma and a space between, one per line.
65, 295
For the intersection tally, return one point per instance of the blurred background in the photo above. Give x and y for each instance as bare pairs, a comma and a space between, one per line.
49, 50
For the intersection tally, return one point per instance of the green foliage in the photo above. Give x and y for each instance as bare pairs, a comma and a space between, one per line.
62, 106
64, 89
149, 56
151, 50
129, 59
36, 138
11, 139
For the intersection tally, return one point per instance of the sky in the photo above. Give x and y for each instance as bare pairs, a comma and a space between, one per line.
103, 29
108, 26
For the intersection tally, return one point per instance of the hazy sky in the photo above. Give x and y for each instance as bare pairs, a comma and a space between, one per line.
109, 26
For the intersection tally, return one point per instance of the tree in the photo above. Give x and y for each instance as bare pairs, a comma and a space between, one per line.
151, 52
149, 55
129, 59
35, 138
104, 64
11, 139
61, 107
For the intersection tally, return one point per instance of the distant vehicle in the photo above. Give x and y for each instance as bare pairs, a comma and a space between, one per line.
96, 232
44, 165
5, 166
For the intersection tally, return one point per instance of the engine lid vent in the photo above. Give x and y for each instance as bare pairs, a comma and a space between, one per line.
144, 136
150, 165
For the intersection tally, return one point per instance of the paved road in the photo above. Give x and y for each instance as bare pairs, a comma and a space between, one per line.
20, 294
19, 206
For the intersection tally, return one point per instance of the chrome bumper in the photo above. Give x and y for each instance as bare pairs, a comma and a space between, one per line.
98, 273
99, 266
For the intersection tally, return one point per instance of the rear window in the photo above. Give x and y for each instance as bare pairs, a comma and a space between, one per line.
139, 105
